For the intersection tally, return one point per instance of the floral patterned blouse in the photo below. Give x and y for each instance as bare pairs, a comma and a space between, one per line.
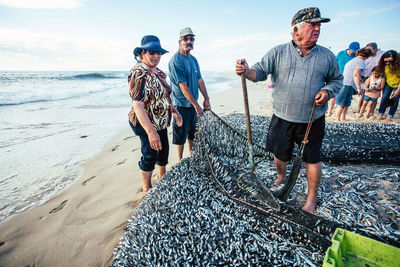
152, 89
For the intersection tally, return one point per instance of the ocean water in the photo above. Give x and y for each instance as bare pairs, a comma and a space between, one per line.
51, 122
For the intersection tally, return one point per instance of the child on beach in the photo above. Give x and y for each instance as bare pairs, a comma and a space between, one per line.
373, 85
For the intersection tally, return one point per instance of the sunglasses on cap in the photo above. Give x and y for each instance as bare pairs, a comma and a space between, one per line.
151, 52
388, 61
186, 38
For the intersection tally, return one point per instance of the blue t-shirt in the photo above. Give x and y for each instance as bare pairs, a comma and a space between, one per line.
183, 69
342, 58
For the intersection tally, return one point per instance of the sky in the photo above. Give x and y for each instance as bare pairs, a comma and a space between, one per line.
100, 35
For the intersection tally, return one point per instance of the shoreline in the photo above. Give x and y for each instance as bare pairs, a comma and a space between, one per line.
83, 224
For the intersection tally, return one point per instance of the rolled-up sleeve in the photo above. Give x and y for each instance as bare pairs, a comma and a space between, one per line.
265, 66
137, 80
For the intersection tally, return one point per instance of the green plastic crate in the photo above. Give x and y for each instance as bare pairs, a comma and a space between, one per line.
350, 249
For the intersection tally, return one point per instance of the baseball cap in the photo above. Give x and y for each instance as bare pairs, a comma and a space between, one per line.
186, 31
354, 46
310, 14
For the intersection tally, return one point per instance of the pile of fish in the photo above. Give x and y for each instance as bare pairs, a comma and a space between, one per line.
199, 214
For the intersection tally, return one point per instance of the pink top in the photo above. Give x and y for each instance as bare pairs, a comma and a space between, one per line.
373, 84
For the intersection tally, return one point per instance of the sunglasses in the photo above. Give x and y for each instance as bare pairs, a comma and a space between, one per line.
388, 61
188, 38
151, 52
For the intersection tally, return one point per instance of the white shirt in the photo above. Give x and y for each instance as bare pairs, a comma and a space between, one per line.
372, 62
355, 63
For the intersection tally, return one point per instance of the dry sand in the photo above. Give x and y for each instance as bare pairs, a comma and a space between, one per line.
82, 225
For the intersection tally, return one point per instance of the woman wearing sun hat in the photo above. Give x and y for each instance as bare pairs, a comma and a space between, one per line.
151, 110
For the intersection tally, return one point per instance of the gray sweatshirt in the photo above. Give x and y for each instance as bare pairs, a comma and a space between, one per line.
297, 80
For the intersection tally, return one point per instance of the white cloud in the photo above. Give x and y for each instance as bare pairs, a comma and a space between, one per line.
25, 50
43, 4
365, 12
382, 10
221, 53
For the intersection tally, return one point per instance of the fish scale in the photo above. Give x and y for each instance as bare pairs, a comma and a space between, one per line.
200, 225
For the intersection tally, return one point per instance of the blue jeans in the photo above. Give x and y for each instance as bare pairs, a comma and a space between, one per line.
387, 91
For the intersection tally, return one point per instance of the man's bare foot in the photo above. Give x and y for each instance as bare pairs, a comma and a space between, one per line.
146, 189
359, 115
380, 117
310, 206
277, 185
279, 181
388, 119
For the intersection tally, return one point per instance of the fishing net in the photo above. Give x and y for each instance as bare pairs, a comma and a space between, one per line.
198, 214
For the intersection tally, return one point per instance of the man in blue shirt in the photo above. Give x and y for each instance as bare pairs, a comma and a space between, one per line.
343, 57
186, 80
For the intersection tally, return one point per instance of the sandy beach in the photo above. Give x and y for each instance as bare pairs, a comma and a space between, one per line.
82, 225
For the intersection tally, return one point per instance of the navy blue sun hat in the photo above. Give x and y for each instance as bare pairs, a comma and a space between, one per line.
149, 42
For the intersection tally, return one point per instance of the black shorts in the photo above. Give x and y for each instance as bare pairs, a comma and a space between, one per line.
180, 134
151, 157
283, 134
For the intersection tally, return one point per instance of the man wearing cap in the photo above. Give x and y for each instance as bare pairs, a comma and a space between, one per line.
186, 80
302, 73
343, 57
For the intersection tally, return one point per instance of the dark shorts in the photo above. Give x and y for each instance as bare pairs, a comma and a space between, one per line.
180, 134
151, 157
283, 134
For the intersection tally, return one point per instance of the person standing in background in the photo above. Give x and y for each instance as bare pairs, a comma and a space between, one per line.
373, 87
353, 71
343, 57
371, 63
186, 80
373, 60
389, 63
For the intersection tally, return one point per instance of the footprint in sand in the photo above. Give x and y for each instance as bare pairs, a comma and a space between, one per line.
133, 204
126, 138
2, 243
86, 181
122, 162
59, 207
133, 150
115, 148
